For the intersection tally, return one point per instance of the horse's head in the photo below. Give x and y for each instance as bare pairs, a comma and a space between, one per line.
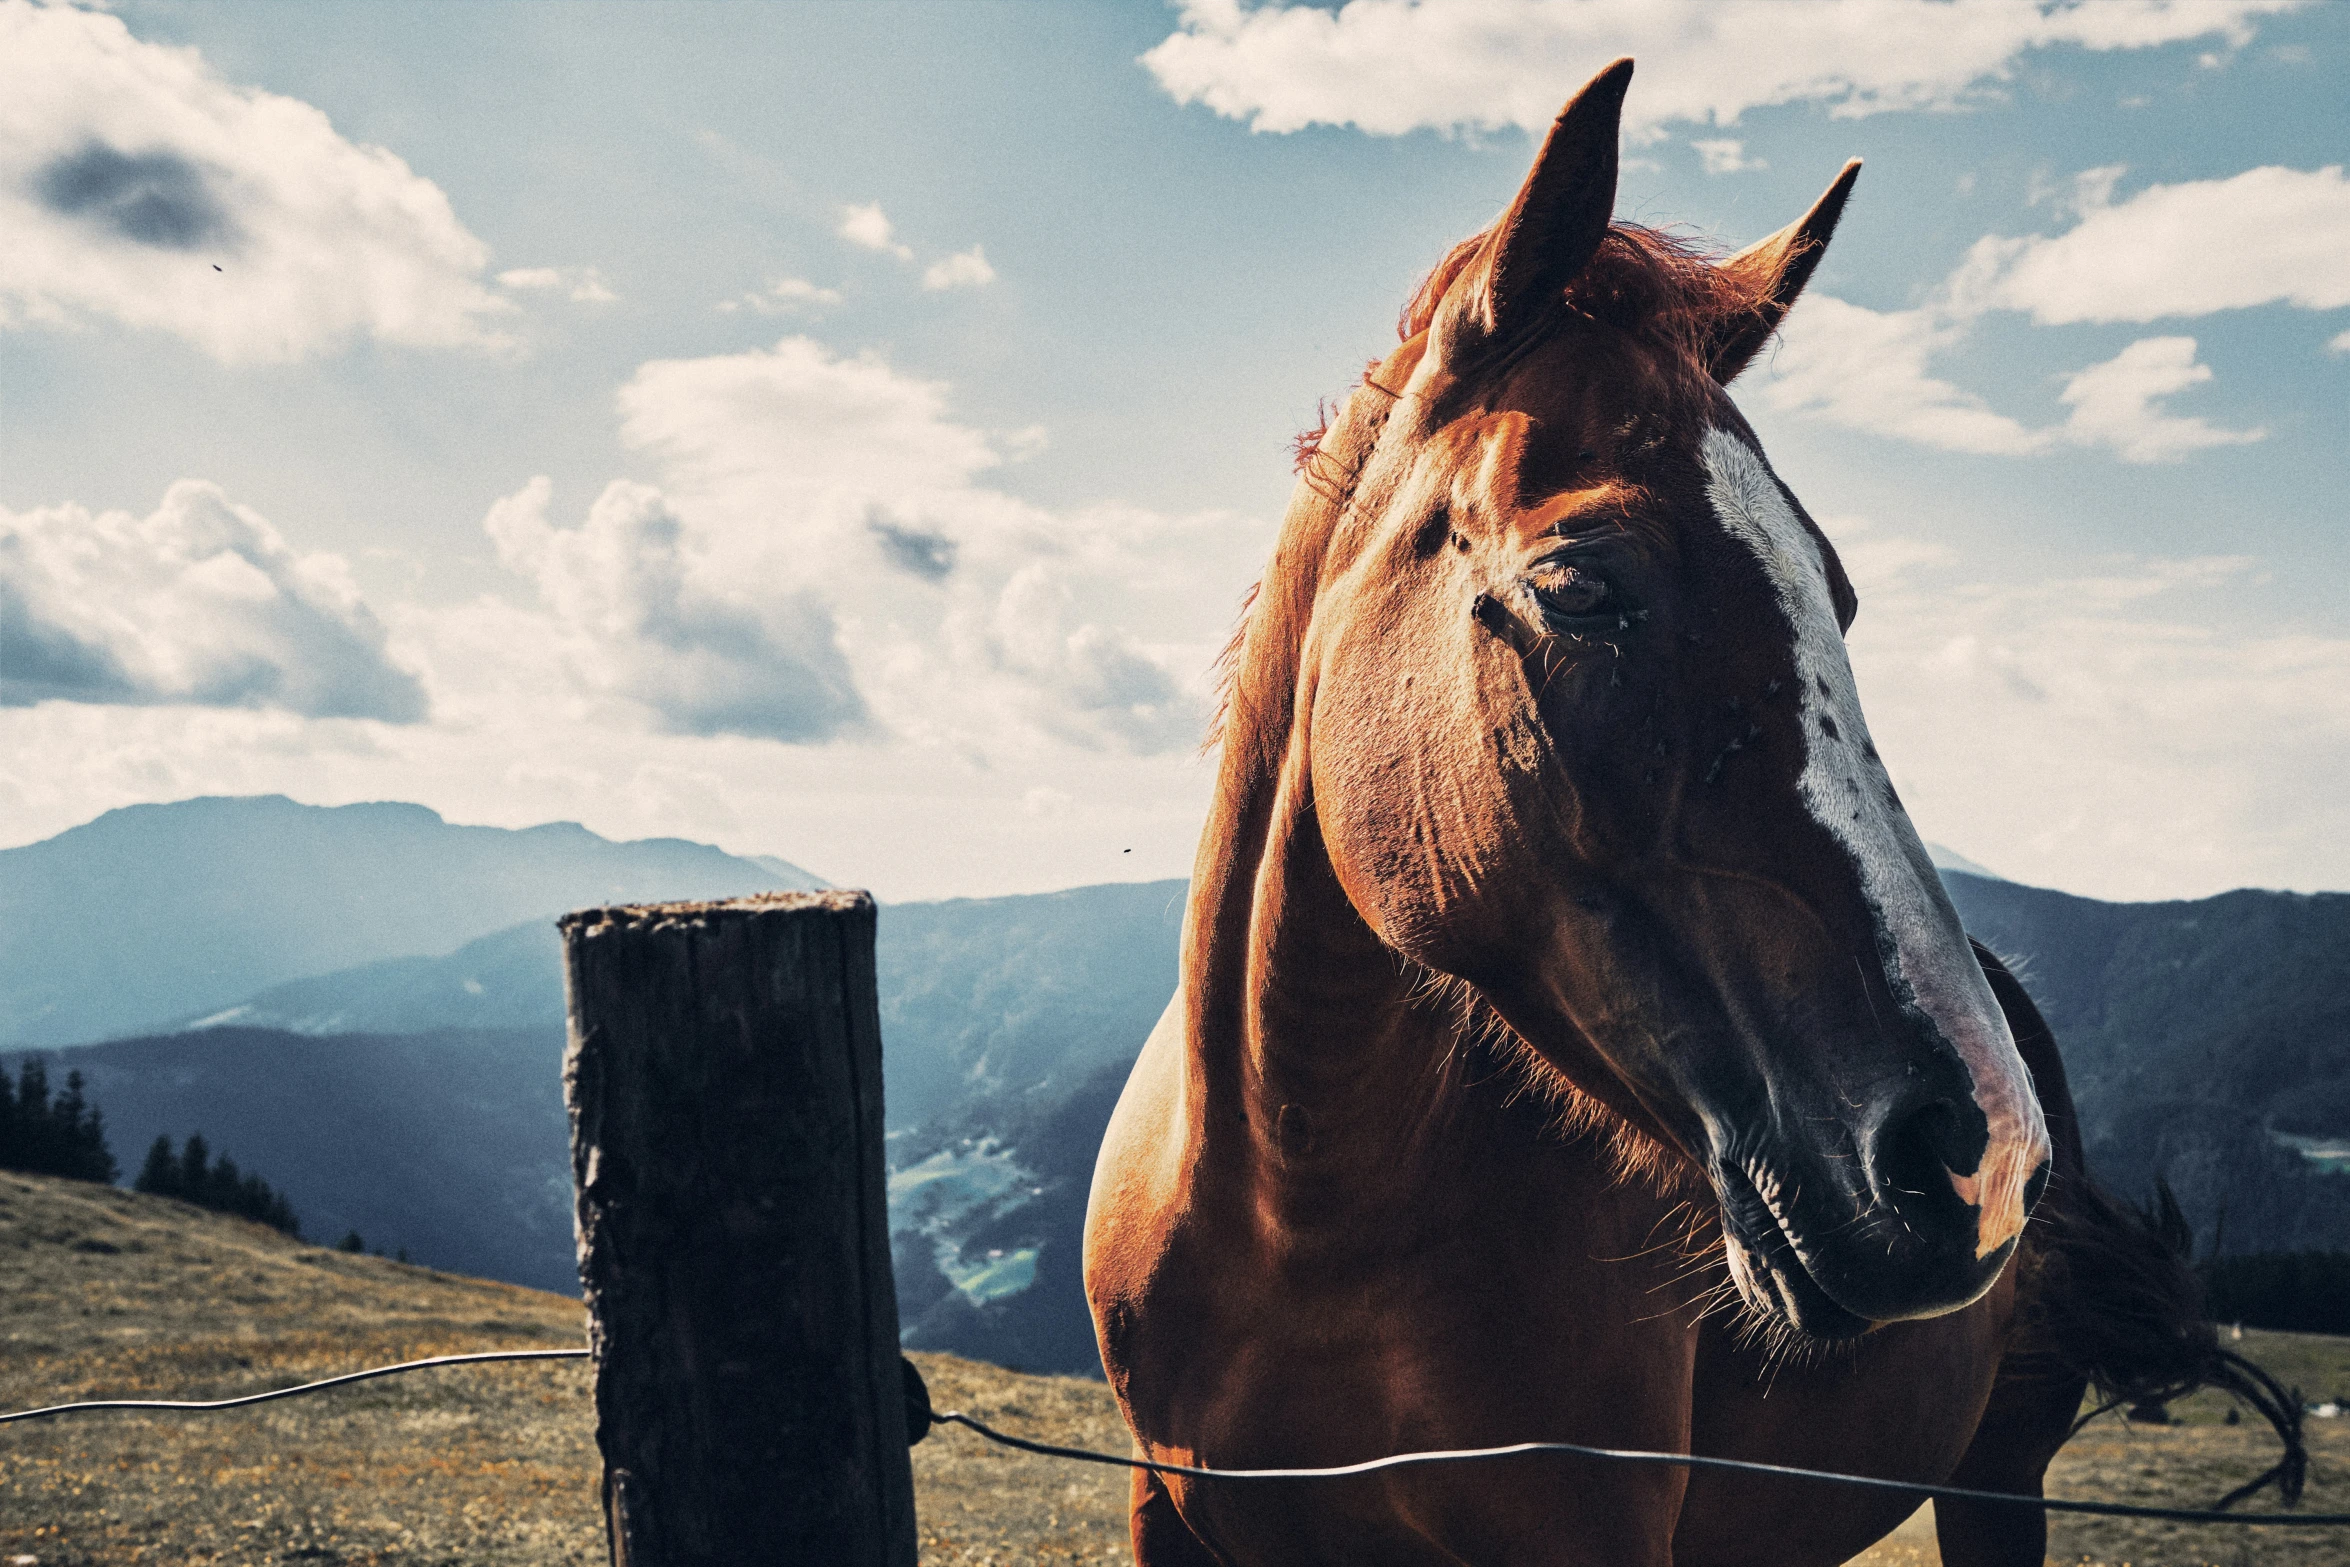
1582, 733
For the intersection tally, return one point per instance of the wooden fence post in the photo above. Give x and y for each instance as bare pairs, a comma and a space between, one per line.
723, 1079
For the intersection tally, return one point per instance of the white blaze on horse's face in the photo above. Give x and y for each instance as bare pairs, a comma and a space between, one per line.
1844, 787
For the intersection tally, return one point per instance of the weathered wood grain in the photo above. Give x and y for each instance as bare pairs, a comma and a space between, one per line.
723, 1079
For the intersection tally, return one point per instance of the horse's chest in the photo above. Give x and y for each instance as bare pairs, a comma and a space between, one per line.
1489, 1323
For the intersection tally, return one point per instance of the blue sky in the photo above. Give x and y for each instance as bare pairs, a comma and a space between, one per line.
846, 431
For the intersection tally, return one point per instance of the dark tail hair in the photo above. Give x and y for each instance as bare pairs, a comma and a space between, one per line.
2120, 1305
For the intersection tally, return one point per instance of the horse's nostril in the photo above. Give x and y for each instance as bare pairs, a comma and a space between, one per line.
1917, 1152
1937, 1127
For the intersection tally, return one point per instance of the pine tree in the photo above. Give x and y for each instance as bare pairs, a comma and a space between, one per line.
80, 1128
65, 1136
27, 1147
195, 1167
224, 1185
160, 1175
11, 1127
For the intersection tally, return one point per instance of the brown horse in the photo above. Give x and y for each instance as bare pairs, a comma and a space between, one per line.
1574, 1041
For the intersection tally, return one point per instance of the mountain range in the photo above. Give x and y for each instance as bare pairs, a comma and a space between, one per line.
157, 912
414, 1095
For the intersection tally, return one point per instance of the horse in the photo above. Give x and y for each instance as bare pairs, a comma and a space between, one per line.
1574, 1041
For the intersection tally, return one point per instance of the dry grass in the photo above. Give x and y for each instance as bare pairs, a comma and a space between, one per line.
2189, 1464
981, 1505
105, 1293
2201, 1458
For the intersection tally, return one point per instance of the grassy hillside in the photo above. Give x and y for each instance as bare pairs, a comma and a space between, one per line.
106, 1293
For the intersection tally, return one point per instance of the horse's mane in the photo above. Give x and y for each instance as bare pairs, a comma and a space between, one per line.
1663, 288
1227, 666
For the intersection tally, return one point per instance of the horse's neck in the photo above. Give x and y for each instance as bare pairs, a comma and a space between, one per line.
1320, 1080
1314, 1076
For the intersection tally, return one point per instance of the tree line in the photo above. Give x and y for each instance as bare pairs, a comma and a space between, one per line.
2292, 1291
193, 1175
44, 1132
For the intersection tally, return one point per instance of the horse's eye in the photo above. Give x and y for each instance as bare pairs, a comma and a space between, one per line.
1571, 594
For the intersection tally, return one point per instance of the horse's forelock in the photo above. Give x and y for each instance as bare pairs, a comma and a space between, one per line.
1419, 311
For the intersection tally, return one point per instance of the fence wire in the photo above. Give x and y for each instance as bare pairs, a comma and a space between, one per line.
1619, 1455
1633, 1455
296, 1392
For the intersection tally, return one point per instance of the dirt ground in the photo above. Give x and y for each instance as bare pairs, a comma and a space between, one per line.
105, 1293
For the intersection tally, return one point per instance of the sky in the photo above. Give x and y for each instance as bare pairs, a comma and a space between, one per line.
847, 432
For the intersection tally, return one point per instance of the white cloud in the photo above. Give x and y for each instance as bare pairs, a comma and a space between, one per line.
199, 602
1720, 155
2194, 757
2339, 343
2264, 236
1044, 800
2113, 404
869, 226
783, 295
645, 617
796, 422
1078, 679
138, 186
2078, 196
1390, 66
964, 269
581, 285
1869, 370
821, 525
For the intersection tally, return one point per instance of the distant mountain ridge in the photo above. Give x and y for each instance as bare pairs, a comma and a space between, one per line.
449, 1145
511, 978
980, 997
1951, 860
154, 913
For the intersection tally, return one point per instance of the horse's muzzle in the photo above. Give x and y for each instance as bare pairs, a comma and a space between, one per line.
1834, 1258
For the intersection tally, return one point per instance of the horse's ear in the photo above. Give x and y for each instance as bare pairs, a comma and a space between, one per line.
1774, 271
1561, 214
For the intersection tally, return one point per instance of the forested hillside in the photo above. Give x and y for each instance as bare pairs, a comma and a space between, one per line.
449, 1146
419, 1101
2195, 1033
